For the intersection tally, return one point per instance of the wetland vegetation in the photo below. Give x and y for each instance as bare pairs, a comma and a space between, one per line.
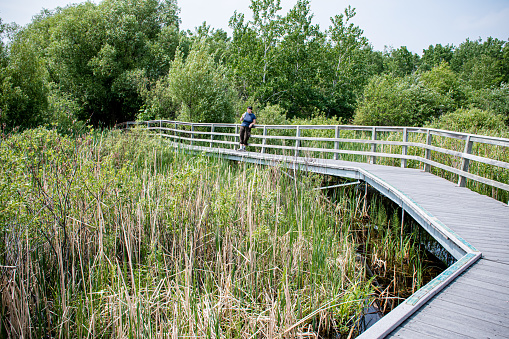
120, 235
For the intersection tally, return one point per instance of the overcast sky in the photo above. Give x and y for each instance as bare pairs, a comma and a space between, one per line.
415, 24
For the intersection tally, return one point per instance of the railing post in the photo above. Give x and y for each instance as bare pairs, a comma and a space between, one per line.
264, 141
373, 145
237, 140
211, 134
192, 134
336, 144
404, 151
427, 152
177, 137
297, 142
462, 181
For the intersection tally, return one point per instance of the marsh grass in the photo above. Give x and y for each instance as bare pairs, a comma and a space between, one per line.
392, 245
118, 235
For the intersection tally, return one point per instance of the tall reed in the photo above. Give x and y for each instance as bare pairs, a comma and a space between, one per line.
118, 235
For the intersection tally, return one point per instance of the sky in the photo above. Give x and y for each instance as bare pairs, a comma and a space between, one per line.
392, 23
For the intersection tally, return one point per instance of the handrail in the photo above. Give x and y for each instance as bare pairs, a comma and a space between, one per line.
292, 139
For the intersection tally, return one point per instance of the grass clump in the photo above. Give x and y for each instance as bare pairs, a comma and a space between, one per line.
119, 235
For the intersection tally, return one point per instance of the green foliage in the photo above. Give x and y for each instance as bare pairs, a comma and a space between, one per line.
400, 61
317, 118
216, 41
350, 63
63, 113
159, 102
473, 120
492, 99
271, 115
98, 53
24, 87
435, 56
200, 88
286, 60
480, 63
446, 83
299, 57
406, 101
112, 61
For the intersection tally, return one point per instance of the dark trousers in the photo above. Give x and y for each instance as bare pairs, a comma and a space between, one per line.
245, 133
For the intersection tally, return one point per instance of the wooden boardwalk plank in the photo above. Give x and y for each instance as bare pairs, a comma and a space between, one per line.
414, 330
465, 284
479, 305
450, 324
482, 303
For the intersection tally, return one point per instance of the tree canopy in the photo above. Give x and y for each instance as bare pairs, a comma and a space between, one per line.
125, 59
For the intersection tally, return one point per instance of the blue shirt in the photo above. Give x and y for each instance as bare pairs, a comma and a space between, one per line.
248, 119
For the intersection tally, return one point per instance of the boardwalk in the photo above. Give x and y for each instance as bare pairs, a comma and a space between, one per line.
470, 299
476, 304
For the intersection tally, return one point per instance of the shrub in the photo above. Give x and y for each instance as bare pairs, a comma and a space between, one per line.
406, 101
445, 82
318, 118
63, 112
472, 120
271, 115
200, 87
492, 99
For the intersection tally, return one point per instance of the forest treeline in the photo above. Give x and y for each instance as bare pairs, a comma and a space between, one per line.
88, 64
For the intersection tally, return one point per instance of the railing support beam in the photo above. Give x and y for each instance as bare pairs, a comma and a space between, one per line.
462, 181
373, 145
297, 142
427, 152
404, 149
264, 141
336, 143
211, 135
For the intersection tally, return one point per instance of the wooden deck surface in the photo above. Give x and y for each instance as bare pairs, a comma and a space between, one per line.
476, 303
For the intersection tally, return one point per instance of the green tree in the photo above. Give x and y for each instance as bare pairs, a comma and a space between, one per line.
345, 39
399, 101
297, 62
495, 100
400, 61
351, 62
436, 55
100, 54
254, 47
480, 63
216, 40
200, 88
24, 86
446, 83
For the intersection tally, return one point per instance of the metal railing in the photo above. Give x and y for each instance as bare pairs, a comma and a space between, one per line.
426, 148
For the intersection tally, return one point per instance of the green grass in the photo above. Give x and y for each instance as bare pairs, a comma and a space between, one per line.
119, 235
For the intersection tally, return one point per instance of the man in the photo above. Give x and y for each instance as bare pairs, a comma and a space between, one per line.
248, 121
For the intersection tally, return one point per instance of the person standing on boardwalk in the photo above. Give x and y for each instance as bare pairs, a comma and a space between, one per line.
248, 121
